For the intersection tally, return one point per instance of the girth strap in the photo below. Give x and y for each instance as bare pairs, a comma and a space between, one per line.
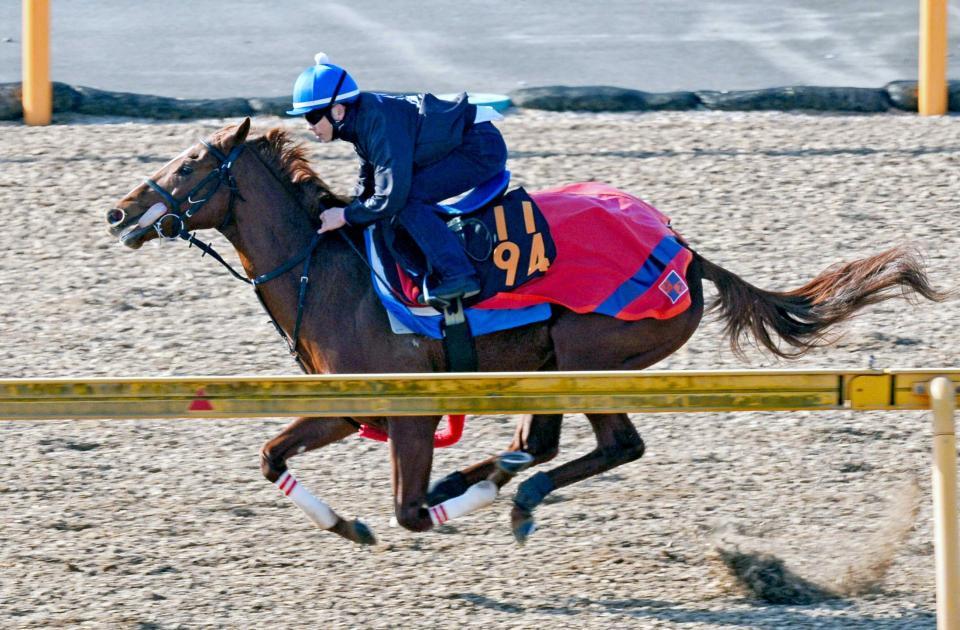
458, 344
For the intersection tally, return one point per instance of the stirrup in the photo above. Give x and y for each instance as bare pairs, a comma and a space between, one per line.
444, 303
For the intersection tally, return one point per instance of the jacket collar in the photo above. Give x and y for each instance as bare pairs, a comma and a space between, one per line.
346, 129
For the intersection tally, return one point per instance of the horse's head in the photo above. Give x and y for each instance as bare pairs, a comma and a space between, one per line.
193, 191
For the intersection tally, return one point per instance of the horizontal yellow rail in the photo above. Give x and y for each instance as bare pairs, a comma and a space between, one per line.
492, 393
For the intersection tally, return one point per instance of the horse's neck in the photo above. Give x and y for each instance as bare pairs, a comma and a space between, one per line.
269, 230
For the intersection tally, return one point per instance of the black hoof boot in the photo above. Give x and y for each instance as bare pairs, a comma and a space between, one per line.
529, 495
364, 535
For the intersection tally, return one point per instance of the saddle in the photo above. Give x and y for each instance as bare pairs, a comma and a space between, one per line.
506, 238
477, 198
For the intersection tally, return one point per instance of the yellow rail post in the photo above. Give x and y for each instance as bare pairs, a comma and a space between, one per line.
932, 88
946, 535
37, 89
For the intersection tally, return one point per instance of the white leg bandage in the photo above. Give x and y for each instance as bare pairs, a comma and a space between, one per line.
477, 496
318, 511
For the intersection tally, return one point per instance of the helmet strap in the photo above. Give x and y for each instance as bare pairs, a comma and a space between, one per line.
334, 125
328, 110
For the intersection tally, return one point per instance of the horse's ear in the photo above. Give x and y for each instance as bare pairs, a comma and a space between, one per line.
240, 136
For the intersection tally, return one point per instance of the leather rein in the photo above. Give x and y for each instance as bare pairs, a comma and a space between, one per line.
207, 188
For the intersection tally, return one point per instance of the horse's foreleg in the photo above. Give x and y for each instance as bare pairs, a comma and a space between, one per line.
300, 436
411, 457
537, 435
617, 443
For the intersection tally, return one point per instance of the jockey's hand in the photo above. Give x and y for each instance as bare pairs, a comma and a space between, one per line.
331, 219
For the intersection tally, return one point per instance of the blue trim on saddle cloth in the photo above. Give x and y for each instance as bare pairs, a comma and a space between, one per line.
426, 320
643, 280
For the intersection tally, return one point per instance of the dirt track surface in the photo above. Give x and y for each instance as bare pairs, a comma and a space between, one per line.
168, 524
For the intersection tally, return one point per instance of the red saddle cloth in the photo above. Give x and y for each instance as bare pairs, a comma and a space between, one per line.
616, 254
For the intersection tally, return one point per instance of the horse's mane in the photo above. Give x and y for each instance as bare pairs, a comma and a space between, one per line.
288, 159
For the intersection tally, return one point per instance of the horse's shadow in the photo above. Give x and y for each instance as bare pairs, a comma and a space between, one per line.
758, 615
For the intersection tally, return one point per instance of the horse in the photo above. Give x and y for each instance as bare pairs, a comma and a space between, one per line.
260, 192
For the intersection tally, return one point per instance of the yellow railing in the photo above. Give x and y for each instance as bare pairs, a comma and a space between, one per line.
417, 394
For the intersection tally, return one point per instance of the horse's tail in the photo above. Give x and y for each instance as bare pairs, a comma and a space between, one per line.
801, 317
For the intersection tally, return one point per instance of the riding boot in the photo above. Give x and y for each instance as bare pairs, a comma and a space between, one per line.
443, 251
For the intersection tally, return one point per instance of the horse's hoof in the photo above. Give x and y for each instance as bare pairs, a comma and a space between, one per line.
362, 534
514, 462
523, 530
523, 524
355, 531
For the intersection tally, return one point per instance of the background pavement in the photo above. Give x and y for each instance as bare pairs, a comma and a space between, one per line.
250, 48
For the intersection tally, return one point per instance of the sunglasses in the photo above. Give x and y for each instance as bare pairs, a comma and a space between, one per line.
316, 115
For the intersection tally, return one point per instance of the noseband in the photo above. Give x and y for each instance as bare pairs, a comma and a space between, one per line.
206, 189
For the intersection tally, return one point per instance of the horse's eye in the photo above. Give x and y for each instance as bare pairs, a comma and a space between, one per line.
185, 170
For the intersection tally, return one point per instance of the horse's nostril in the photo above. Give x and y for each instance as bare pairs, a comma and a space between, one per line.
116, 216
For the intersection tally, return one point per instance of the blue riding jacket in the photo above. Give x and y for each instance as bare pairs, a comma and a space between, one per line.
393, 136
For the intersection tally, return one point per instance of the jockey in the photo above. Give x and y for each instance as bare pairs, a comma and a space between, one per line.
414, 153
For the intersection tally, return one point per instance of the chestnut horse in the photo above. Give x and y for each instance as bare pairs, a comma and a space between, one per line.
261, 194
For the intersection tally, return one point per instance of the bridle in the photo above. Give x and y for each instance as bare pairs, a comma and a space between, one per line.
208, 186
206, 189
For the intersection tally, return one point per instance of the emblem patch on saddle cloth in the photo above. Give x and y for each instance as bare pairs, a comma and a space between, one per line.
509, 243
673, 286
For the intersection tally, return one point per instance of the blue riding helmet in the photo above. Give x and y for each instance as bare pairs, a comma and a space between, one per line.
321, 85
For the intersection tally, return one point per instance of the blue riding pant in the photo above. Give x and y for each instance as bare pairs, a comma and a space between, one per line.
482, 155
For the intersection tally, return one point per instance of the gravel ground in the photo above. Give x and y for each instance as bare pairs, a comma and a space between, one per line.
158, 524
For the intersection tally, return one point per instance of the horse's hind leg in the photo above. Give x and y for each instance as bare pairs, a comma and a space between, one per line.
538, 436
300, 436
617, 443
596, 342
